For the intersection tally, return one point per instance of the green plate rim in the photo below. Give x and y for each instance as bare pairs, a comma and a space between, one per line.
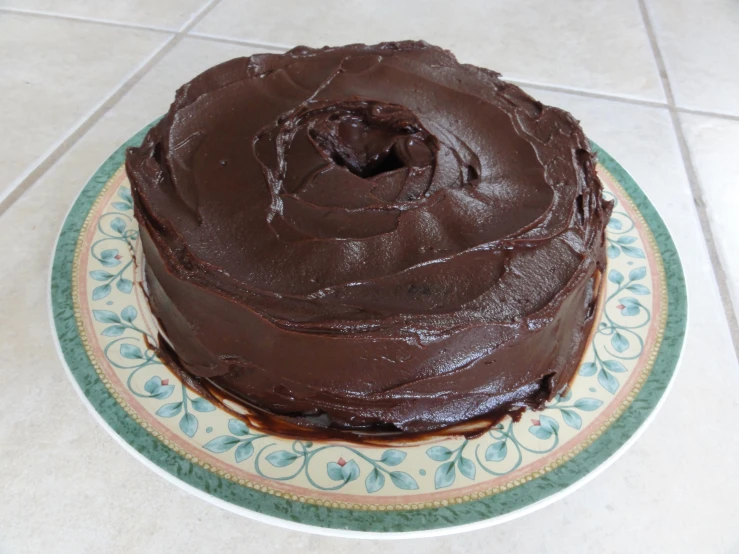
308, 516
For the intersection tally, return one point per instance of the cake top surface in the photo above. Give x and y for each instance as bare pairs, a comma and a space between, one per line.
372, 189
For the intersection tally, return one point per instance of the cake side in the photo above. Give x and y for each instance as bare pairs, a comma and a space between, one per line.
372, 238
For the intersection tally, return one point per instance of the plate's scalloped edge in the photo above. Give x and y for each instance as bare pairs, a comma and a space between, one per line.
497, 502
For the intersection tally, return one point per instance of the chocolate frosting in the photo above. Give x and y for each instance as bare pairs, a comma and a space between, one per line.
369, 238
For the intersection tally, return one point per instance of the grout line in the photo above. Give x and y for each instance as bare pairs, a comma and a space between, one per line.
530, 84
623, 99
61, 147
197, 16
253, 43
57, 150
85, 19
708, 113
587, 93
522, 82
694, 181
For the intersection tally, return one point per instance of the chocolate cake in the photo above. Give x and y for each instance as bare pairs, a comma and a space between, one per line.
374, 239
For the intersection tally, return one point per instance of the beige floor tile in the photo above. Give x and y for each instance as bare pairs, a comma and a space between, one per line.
151, 97
597, 46
714, 144
169, 14
700, 45
91, 496
645, 136
53, 73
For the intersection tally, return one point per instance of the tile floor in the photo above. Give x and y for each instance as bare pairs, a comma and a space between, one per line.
662, 100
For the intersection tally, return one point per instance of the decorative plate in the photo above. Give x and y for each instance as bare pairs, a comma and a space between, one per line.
434, 487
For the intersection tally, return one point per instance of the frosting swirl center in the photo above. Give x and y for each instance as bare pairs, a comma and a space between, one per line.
345, 169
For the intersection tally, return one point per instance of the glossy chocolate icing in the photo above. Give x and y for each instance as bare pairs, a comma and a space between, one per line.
369, 238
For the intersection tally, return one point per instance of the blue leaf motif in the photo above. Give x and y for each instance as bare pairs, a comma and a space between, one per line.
539, 432
124, 285
638, 289
100, 292
614, 366
221, 444
113, 331
439, 453
615, 224
608, 381
101, 275
152, 384
588, 404
123, 206
106, 316
169, 410
129, 313
282, 458
625, 240
374, 481
202, 405
118, 225
110, 262
496, 452
154, 387
108, 257
392, 457
125, 193
613, 251
546, 428
615, 276
587, 369
619, 342
189, 424
630, 311
403, 481
334, 471
132, 352
165, 391
548, 423
633, 251
445, 475
571, 418
638, 273
466, 467
350, 471
244, 451
238, 427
